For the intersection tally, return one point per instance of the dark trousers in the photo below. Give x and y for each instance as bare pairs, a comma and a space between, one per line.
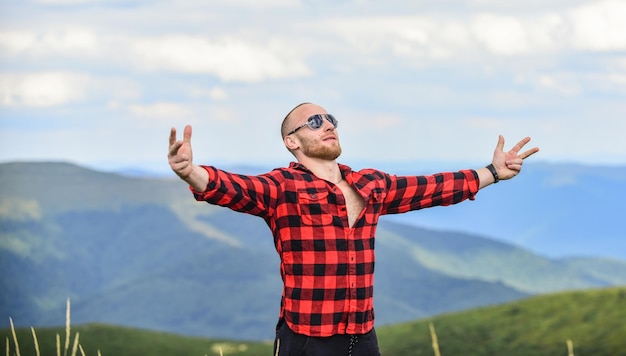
292, 344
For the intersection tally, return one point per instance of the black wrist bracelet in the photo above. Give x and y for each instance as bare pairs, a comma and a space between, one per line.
493, 171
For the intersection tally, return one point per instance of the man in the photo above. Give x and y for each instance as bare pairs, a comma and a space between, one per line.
323, 217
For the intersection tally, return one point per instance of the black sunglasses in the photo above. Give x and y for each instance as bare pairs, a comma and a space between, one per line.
316, 121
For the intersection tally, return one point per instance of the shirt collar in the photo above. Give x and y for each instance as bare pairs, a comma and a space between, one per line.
345, 170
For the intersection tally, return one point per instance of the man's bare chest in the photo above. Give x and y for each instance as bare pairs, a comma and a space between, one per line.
354, 201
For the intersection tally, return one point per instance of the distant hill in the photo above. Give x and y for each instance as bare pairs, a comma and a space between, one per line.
141, 252
560, 210
591, 320
555, 210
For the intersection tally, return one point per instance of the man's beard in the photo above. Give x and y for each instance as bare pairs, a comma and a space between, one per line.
315, 150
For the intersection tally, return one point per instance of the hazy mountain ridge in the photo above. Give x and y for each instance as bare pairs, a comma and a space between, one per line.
556, 210
123, 250
553, 209
469, 256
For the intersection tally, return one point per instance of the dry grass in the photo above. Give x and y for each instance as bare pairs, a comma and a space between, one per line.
433, 336
435, 342
76, 347
62, 348
570, 348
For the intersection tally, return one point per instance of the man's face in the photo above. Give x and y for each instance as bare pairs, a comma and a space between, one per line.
322, 143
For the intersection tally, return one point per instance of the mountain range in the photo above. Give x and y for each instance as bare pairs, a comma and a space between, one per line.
555, 210
140, 252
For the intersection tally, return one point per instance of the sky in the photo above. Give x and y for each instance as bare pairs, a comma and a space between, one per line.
101, 83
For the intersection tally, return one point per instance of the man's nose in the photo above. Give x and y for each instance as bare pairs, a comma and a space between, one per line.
327, 126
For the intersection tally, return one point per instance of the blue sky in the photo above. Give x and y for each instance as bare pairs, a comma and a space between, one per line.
101, 82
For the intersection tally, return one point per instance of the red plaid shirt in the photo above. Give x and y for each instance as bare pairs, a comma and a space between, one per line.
327, 267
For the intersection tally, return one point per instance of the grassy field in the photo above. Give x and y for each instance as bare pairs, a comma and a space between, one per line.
593, 321
120, 341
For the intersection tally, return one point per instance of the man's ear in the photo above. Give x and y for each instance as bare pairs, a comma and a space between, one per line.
291, 143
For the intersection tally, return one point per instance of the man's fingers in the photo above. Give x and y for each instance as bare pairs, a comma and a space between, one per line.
515, 167
520, 144
187, 134
172, 136
174, 148
500, 145
179, 164
174, 144
179, 152
529, 153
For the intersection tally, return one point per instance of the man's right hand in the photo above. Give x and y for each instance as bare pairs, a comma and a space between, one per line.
180, 155
180, 158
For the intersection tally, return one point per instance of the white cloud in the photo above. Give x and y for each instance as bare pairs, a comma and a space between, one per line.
599, 26
161, 110
501, 35
231, 59
255, 4
163, 114
247, 54
84, 2
557, 84
484, 123
511, 35
416, 79
228, 57
16, 42
618, 79
43, 89
575, 83
58, 88
71, 41
358, 121
216, 93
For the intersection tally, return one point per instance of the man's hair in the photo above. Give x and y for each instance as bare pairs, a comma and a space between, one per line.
284, 127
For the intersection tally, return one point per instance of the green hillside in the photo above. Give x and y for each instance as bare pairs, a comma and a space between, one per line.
593, 320
46, 188
121, 341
